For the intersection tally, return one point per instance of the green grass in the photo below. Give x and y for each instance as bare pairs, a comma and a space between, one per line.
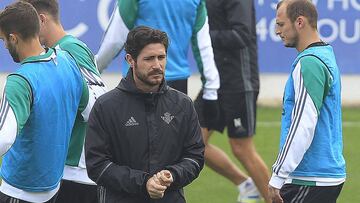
213, 188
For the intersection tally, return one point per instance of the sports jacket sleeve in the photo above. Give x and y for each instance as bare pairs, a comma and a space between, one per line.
239, 17
14, 110
192, 161
93, 86
98, 160
312, 81
203, 54
121, 21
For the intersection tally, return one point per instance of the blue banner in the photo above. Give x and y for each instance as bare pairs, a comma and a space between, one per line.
339, 25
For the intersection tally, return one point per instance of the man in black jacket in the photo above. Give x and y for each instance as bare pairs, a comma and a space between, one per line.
143, 140
233, 36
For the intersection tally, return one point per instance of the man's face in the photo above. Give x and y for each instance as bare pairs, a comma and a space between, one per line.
150, 65
285, 28
10, 45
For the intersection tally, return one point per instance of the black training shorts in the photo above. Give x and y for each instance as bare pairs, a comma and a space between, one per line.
237, 113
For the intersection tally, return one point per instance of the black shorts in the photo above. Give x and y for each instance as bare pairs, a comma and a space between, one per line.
237, 113
7, 199
180, 85
310, 194
76, 193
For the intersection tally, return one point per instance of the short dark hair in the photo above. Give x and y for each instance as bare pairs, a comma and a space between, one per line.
296, 8
50, 7
141, 36
20, 18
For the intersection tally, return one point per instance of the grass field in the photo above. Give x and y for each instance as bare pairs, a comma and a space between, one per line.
212, 188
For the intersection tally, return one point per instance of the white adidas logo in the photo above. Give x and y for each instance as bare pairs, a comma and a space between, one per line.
131, 122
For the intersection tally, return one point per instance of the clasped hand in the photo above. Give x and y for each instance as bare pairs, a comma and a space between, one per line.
158, 183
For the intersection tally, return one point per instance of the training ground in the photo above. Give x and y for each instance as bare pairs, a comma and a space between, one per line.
212, 188
271, 87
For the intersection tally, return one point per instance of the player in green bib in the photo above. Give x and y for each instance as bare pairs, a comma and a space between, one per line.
76, 185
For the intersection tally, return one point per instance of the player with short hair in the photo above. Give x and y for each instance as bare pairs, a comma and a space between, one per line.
310, 166
143, 142
39, 106
76, 186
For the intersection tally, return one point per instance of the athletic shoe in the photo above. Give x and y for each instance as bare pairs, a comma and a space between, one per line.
249, 193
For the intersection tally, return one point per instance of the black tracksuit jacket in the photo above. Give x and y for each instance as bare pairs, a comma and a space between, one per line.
132, 135
232, 26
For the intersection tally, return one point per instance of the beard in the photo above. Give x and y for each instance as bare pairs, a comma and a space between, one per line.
13, 53
145, 77
291, 44
294, 41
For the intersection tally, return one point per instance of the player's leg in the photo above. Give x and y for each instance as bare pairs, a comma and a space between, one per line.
244, 150
76, 192
241, 118
216, 158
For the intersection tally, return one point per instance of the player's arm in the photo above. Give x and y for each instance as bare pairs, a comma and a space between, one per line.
98, 157
203, 54
312, 81
93, 89
239, 16
192, 159
93, 86
81, 54
121, 21
14, 110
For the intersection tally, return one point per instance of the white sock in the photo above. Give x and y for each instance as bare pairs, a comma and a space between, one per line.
247, 186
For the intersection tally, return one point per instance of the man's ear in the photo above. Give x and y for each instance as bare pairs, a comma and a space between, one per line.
42, 18
130, 60
13, 38
300, 22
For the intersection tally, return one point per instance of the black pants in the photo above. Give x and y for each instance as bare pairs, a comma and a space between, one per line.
7, 199
310, 194
72, 192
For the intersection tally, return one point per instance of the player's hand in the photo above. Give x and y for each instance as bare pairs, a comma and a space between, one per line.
165, 178
275, 195
211, 112
154, 188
